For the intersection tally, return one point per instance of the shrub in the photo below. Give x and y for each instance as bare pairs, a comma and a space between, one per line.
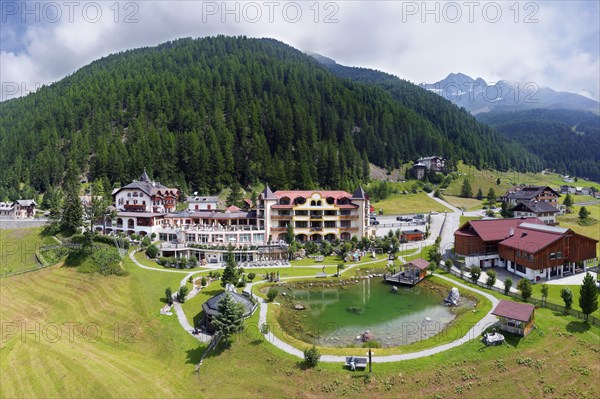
152, 251
567, 297
507, 284
146, 241
272, 294
181, 294
312, 356
491, 279
251, 276
475, 273
526, 289
169, 296
203, 281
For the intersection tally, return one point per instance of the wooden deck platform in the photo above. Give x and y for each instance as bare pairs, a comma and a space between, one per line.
399, 278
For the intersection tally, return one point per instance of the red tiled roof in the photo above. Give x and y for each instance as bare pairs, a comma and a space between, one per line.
495, 229
233, 208
530, 240
419, 263
514, 310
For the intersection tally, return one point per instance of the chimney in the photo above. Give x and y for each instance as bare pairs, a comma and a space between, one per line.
511, 232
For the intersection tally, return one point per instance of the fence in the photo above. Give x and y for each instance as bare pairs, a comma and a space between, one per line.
534, 301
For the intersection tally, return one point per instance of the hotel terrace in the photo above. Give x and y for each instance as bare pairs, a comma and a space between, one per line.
146, 207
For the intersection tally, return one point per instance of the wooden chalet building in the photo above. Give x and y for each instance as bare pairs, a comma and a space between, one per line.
544, 211
531, 193
525, 246
515, 317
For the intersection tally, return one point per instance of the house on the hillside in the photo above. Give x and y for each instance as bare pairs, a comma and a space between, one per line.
434, 163
531, 193
418, 171
19, 209
515, 317
565, 189
541, 210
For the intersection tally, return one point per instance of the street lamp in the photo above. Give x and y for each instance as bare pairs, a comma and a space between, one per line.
370, 353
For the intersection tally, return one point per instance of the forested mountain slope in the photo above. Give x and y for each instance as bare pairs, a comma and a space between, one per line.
567, 140
201, 114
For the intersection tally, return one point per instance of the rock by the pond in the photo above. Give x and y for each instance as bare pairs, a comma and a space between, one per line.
453, 297
297, 306
367, 336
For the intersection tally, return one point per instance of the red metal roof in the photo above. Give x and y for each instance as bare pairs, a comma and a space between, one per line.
514, 310
419, 263
292, 194
530, 240
495, 229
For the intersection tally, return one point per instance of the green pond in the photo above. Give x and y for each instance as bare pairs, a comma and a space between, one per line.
337, 316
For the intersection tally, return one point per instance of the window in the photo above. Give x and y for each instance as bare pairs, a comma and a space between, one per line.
559, 255
552, 256
301, 224
259, 237
203, 238
244, 237
345, 223
520, 268
531, 257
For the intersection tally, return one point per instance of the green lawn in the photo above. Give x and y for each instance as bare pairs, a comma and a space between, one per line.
18, 248
554, 295
408, 203
465, 219
471, 204
592, 230
485, 179
99, 336
143, 354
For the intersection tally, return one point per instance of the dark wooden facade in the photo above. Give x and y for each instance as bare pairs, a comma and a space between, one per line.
571, 247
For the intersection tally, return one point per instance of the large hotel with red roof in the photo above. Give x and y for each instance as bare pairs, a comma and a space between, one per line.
255, 233
524, 246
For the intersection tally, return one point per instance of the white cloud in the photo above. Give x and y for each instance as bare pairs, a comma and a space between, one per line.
559, 51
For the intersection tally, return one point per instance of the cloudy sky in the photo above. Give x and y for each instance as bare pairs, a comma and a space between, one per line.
550, 43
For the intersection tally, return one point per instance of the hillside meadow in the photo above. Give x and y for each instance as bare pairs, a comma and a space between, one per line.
122, 347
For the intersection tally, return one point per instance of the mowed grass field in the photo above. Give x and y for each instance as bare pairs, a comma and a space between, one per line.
18, 248
68, 334
151, 356
571, 221
485, 179
408, 204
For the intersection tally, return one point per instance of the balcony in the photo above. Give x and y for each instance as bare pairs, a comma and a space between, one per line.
347, 217
316, 228
349, 228
134, 207
281, 217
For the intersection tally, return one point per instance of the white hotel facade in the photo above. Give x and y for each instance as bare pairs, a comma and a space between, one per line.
146, 207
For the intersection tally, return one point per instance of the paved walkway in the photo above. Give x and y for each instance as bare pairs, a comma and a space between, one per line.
474, 332
176, 305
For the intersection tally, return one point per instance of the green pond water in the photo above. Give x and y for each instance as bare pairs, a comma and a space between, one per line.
337, 317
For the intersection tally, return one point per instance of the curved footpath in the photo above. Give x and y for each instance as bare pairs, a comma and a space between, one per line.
474, 332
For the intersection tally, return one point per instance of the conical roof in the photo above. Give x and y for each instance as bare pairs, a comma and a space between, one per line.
359, 193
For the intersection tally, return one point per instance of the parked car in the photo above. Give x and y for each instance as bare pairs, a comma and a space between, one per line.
375, 222
433, 213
